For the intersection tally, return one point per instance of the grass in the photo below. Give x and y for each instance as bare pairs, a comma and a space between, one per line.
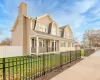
30, 65
82, 52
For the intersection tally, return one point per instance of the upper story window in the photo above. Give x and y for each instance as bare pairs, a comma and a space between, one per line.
42, 27
54, 31
67, 35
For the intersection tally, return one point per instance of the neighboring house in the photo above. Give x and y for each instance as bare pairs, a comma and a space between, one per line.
41, 34
77, 46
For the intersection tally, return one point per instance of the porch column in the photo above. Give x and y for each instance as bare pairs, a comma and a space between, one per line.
59, 46
37, 45
54, 45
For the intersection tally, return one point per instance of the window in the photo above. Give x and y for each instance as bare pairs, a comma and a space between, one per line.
33, 42
41, 43
67, 35
42, 27
54, 30
63, 44
72, 44
69, 44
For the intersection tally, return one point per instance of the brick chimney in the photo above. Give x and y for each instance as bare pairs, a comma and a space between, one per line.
23, 9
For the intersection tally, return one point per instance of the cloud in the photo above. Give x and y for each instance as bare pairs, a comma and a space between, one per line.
53, 5
84, 5
4, 10
80, 14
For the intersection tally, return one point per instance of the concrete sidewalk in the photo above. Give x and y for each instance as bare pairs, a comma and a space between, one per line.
87, 69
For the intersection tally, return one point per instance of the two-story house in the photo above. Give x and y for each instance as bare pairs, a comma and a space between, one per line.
41, 34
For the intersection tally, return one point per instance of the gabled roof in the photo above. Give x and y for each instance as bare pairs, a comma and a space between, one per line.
55, 23
63, 27
16, 21
67, 26
45, 16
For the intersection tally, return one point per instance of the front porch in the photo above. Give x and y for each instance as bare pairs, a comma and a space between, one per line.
43, 45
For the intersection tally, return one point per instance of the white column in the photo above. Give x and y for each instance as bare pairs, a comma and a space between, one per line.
59, 45
54, 45
37, 45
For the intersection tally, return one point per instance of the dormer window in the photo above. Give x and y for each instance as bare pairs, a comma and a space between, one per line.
67, 35
54, 31
42, 27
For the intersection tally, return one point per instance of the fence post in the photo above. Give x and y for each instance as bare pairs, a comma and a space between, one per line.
70, 57
43, 64
60, 59
76, 54
4, 70
80, 53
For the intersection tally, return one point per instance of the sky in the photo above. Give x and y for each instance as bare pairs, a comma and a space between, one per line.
81, 15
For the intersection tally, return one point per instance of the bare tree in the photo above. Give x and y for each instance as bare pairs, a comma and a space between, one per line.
92, 38
6, 41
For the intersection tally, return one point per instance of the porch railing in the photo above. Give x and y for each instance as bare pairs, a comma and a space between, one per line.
43, 49
34, 66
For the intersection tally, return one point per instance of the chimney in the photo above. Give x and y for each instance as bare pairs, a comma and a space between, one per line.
23, 9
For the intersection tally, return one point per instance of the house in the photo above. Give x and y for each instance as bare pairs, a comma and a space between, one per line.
41, 34
77, 46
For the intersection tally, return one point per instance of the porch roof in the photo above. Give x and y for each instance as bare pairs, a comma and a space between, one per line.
48, 36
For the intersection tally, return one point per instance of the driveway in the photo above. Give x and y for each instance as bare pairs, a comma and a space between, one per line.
87, 69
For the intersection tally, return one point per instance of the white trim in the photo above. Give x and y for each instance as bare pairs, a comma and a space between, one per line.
59, 44
56, 52
54, 45
37, 45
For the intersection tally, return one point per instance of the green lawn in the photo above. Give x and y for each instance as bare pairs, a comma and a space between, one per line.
82, 52
30, 65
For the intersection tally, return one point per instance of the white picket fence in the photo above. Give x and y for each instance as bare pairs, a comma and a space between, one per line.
10, 51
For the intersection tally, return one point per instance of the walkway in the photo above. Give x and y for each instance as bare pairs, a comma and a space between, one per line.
87, 69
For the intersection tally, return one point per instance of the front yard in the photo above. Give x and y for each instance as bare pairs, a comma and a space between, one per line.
82, 52
28, 66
